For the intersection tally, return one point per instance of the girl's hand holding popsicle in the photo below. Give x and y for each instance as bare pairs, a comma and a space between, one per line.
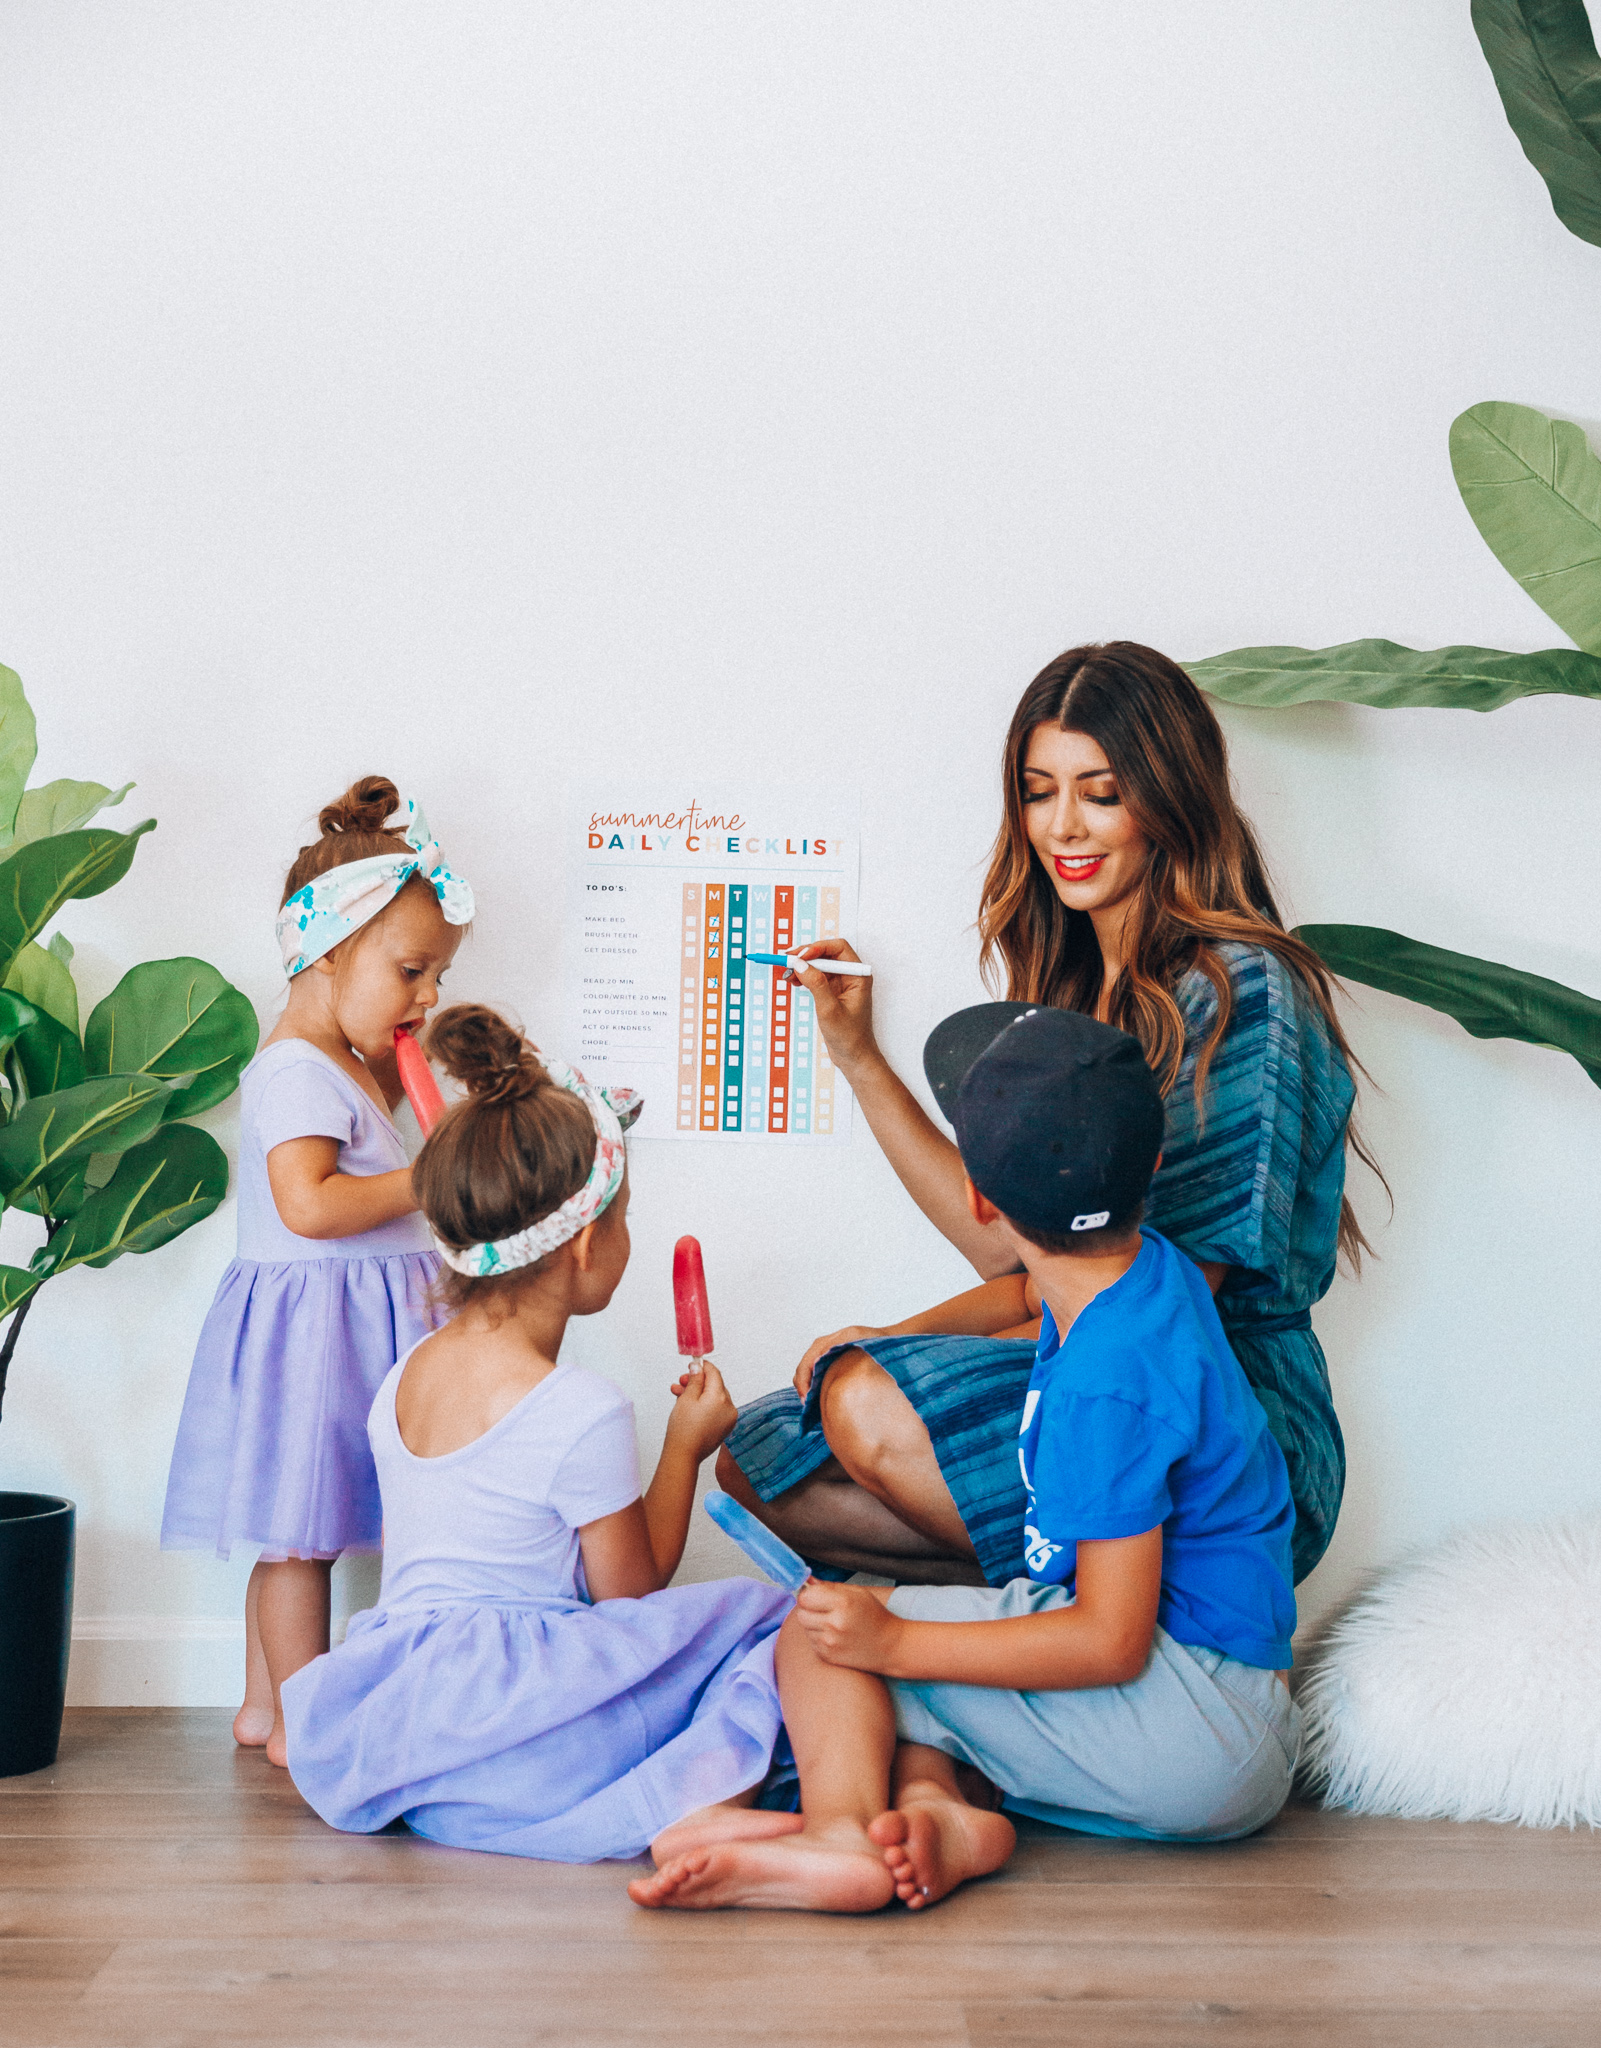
705, 1413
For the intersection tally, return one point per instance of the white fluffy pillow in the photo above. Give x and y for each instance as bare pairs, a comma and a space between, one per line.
1466, 1683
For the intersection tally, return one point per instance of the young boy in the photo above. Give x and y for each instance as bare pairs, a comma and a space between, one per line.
1134, 1683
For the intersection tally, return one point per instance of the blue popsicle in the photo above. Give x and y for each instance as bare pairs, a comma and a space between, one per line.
782, 1565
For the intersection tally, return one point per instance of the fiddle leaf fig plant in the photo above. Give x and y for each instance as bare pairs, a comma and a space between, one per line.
1532, 486
92, 1141
1485, 998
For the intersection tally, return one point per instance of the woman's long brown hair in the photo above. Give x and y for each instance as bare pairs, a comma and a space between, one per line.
1205, 879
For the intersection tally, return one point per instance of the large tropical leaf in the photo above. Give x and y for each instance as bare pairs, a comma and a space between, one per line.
60, 1192
43, 978
1380, 672
62, 807
59, 1130
37, 879
15, 1018
1546, 70
1484, 997
158, 1190
174, 1017
15, 1286
1533, 486
50, 1056
18, 745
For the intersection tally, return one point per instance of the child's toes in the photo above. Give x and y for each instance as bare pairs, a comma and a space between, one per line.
660, 1888
889, 1830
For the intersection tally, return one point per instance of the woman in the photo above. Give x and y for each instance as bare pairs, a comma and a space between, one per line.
1124, 883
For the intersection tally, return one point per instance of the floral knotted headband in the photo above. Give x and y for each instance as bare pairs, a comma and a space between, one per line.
332, 906
613, 1111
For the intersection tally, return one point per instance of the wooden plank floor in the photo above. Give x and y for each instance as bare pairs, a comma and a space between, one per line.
159, 1889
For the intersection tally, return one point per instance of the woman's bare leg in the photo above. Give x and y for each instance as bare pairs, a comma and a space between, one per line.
252, 1725
292, 1608
883, 1443
830, 1518
881, 1505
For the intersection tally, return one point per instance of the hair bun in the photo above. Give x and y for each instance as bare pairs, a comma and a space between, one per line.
364, 807
484, 1052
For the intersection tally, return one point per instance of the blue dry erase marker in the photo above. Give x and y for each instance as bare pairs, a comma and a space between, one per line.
781, 1564
797, 965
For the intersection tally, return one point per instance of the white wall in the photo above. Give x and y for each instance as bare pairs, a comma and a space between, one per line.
472, 393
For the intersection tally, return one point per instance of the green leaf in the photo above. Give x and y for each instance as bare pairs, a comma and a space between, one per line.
159, 1189
1533, 486
174, 1017
50, 1056
61, 946
37, 879
61, 1192
62, 807
59, 1130
1546, 70
18, 747
16, 1284
41, 976
1380, 672
1485, 998
15, 1017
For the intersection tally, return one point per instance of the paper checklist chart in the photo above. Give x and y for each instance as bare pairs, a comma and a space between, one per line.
750, 1056
669, 898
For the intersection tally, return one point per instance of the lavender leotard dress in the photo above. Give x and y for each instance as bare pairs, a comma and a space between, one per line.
272, 1446
484, 1699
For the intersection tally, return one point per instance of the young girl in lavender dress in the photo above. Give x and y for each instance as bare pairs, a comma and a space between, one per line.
525, 1684
334, 1265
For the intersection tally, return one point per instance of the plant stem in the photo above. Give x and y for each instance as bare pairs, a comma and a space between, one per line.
10, 1344
19, 1315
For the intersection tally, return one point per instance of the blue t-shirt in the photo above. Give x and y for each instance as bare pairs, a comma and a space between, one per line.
1142, 1416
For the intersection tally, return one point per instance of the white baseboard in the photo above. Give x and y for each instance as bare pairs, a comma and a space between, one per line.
155, 1660
158, 1660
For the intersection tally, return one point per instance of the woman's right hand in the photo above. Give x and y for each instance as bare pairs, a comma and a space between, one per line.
843, 1003
808, 1365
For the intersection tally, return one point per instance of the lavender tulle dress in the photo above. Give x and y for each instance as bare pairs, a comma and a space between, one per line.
272, 1445
484, 1699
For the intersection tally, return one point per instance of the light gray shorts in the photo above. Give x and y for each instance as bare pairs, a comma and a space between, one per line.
1198, 1748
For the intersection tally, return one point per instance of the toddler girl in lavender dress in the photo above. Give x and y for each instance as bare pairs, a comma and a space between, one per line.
334, 1265
525, 1684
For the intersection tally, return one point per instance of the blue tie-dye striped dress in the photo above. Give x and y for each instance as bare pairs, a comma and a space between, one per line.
1251, 1178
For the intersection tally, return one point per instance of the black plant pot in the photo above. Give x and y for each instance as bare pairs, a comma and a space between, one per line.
36, 1532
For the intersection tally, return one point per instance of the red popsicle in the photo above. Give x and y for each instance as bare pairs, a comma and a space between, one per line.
417, 1078
689, 1299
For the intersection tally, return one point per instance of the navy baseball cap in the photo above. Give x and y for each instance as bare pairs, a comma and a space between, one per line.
1058, 1117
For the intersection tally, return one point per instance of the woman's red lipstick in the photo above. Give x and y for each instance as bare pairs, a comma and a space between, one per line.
1082, 873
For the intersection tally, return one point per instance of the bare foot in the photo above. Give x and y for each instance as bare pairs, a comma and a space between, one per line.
932, 1842
710, 1824
278, 1745
834, 1872
252, 1726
